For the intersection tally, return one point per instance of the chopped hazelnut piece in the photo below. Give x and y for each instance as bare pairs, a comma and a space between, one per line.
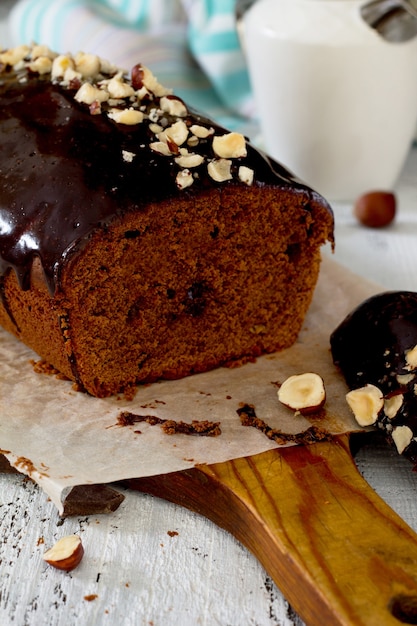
366, 404
155, 128
246, 174
130, 117
402, 437
87, 93
189, 160
173, 106
71, 76
87, 64
12, 56
230, 146
202, 132
41, 65
193, 141
184, 179
220, 170
117, 88
128, 156
411, 358
161, 147
404, 379
392, 405
177, 132
60, 64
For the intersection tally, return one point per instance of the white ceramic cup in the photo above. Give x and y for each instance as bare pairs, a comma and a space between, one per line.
337, 104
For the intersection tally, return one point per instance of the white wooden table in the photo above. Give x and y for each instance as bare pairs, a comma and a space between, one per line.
154, 563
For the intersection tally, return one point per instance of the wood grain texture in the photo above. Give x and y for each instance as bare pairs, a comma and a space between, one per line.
336, 550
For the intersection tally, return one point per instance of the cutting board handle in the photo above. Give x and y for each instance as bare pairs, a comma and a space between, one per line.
338, 553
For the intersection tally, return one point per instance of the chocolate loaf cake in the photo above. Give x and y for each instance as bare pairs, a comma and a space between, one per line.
138, 239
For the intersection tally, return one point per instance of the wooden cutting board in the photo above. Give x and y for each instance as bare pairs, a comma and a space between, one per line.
339, 554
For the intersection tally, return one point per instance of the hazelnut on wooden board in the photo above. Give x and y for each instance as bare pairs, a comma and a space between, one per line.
375, 208
66, 554
304, 393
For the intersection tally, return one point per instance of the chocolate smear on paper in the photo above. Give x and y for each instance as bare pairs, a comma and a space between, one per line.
313, 434
203, 428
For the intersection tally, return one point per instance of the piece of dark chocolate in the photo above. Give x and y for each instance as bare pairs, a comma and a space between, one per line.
376, 344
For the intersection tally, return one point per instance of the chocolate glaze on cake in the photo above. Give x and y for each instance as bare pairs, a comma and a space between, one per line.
66, 174
376, 344
138, 239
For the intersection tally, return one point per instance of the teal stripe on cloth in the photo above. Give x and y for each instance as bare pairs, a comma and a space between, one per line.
219, 7
214, 42
42, 21
65, 17
29, 12
224, 41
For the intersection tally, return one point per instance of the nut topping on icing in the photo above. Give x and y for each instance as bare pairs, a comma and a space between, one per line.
366, 404
173, 106
106, 90
402, 437
177, 133
60, 65
118, 88
201, 131
87, 64
130, 117
229, 146
189, 160
128, 156
246, 174
88, 94
184, 179
392, 405
14, 55
411, 359
41, 65
161, 147
220, 170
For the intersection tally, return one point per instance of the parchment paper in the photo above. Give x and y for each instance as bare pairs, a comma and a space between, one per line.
61, 437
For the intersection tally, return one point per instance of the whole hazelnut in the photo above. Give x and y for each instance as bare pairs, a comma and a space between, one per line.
137, 74
304, 393
375, 208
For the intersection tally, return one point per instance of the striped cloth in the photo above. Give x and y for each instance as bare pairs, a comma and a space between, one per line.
191, 45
